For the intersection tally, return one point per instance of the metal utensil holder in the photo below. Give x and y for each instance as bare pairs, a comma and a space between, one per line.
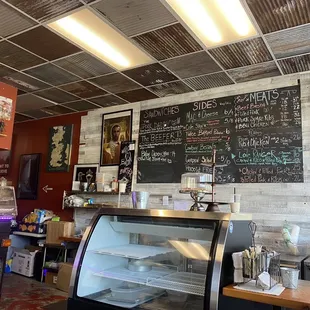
263, 262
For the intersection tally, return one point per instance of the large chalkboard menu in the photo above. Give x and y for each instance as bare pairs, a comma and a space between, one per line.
258, 138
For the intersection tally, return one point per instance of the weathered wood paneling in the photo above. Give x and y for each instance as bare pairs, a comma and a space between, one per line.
270, 204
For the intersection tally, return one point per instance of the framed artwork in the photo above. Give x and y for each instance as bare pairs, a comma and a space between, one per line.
59, 152
83, 173
5, 157
6, 107
28, 178
116, 128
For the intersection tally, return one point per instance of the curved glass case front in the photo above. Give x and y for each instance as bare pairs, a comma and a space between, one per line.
151, 263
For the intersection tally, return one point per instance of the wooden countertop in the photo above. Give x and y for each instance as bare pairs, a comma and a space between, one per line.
295, 299
70, 239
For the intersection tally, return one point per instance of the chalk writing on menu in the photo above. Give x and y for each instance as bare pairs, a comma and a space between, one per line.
257, 136
125, 171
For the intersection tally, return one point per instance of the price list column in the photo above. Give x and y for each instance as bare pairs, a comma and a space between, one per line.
268, 145
160, 145
209, 124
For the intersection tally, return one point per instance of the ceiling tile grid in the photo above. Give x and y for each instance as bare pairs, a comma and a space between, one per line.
12, 21
209, 81
170, 89
150, 75
45, 65
136, 16
16, 57
168, 42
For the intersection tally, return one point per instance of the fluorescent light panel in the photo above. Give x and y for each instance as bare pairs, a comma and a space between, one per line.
215, 22
92, 34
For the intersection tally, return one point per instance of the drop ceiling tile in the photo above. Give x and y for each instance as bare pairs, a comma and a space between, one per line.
168, 42
290, 42
170, 89
81, 105
4, 71
12, 21
209, 81
20, 92
57, 110
21, 118
135, 16
52, 74
108, 100
115, 83
295, 64
151, 74
43, 10
30, 102
23, 81
274, 15
45, 43
192, 65
137, 95
255, 72
241, 54
56, 95
84, 65
83, 89
37, 113
16, 57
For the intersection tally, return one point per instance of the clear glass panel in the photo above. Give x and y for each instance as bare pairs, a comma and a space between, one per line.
147, 263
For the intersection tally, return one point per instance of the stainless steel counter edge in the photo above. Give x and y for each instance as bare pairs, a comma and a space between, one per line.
221, 216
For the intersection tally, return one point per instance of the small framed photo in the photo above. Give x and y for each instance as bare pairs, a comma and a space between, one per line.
84, 172
116, 128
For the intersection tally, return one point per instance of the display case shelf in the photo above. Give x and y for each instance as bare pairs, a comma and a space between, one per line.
135, 251
160, 277
123, 274
185, 282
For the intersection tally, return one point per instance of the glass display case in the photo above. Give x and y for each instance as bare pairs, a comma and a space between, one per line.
8, 211
156, 259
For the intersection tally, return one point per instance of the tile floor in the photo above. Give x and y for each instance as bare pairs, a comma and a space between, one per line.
21, 293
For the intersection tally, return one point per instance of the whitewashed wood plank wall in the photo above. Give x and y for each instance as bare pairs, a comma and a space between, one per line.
270, 204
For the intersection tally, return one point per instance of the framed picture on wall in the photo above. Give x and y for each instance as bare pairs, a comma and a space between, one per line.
82, 172
60, 145
116, 128
28, 178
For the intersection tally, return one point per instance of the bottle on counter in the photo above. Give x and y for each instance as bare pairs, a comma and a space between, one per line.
114, 185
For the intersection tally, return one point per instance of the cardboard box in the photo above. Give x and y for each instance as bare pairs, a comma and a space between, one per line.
23, 262
64, 276
32, 228
58, 229
51, 278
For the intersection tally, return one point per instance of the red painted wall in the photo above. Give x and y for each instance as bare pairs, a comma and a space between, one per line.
32, 137
10, 92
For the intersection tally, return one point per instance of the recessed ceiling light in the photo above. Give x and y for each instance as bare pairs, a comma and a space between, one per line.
92, 34
215, 22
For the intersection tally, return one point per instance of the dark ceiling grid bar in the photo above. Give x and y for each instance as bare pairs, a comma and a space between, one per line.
253, 20
195, 37
157, 28
287, 57
122, 34
18, 33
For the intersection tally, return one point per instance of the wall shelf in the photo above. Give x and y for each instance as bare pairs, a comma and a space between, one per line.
68, 193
